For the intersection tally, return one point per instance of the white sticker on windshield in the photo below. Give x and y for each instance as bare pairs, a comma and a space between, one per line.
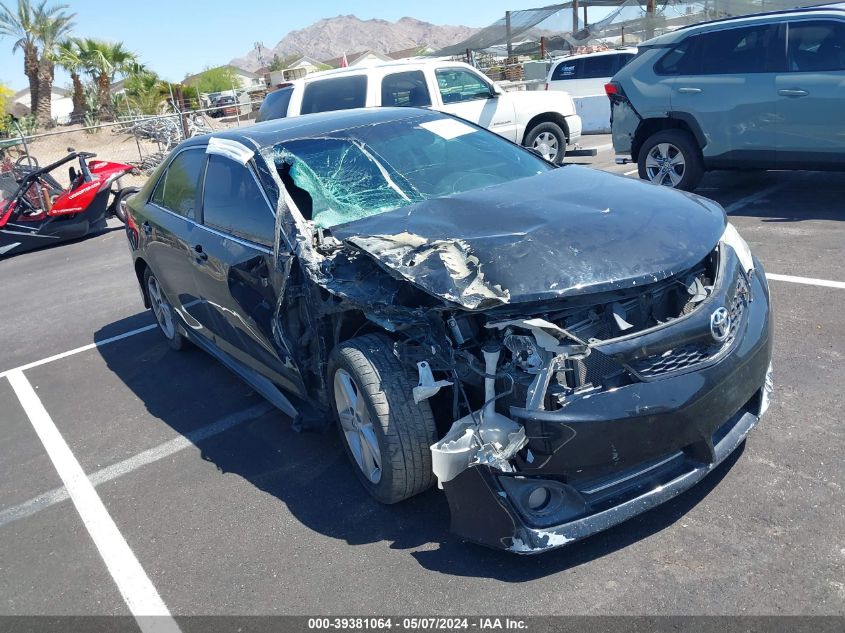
448, 128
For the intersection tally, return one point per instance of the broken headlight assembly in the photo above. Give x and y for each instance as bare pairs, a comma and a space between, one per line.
732, 238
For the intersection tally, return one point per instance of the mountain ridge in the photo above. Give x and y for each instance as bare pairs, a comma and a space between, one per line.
330, 38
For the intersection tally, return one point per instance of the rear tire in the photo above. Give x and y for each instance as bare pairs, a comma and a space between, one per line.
549, 140
385, 434
163, 312
671, 158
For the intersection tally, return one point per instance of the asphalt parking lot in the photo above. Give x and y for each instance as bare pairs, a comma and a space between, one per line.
226, 510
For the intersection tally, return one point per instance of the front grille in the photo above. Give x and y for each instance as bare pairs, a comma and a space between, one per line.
593, 369
673, 360
689, 356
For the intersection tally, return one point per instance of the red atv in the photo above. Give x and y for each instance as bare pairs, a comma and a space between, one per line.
36, 211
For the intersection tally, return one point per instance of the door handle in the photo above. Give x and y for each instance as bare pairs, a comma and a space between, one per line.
793, 92
147, 228
689, 91
201, 254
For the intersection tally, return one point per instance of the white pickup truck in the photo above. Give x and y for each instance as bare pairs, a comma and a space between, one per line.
543, 121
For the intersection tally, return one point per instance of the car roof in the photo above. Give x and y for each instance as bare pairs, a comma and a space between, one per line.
614, 51
275, 131
699, 27
405, 64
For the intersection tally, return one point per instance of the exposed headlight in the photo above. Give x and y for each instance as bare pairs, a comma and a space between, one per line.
732, 238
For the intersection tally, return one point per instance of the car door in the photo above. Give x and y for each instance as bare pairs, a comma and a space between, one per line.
235, 271
170, 228
465, 93
810, 95
724, 83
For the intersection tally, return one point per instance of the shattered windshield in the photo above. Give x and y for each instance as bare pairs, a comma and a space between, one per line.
364, 171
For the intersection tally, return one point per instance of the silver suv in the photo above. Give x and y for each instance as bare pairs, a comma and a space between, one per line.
765, 91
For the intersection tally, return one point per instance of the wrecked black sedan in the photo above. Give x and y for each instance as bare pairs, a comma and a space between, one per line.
559, 349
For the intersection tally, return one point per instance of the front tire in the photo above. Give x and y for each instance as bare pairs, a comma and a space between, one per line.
385, 434
671, 158
549, 140
163, 311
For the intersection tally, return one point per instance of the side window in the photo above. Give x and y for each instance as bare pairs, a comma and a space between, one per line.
621, 60
815, 46
275, 105
727, 52
405, 89
676, 60
599, 66
341, 93
567, 69
458, 85
233, 202
178, 189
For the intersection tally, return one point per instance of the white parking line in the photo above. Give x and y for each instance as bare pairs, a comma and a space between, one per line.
58, 495
78, 350
138, 592
752, 198
809, 281
631, 173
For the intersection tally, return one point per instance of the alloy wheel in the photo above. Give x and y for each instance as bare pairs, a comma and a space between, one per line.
665, 164
546, 145
161, 308
357, 426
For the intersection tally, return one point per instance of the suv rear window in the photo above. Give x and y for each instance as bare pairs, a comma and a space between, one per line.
341, 93
816, 46
275, 105
726, 52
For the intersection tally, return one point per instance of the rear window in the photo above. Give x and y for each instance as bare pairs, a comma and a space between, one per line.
341, 93
178, 188
751, 49
599, 66
816, 46
275, 105
567, 69
233, 202
405, 89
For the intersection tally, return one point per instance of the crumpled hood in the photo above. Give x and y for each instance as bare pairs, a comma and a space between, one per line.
566, 232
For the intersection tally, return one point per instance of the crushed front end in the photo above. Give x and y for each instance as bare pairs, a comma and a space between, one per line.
591, 410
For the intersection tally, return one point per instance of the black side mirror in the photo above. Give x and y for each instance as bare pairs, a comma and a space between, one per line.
71, 173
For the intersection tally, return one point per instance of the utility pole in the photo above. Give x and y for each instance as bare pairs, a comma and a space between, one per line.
649, 19
508, 33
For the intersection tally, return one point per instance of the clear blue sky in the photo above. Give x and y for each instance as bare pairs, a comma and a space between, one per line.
177, 37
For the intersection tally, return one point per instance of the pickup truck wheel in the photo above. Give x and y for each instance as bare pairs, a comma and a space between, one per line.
548, 140
385, 434
671, 158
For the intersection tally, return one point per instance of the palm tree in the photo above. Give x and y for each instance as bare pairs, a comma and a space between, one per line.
36, 28
105, 60
71, 55
51, 29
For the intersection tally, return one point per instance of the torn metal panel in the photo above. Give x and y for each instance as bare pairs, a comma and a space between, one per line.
448, 265
427, 386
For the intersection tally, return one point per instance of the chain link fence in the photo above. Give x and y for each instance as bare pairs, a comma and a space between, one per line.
142, 141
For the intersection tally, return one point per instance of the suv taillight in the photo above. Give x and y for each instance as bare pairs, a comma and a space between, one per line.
613, 90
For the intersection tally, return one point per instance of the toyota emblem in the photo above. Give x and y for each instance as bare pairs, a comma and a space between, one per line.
720, 324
